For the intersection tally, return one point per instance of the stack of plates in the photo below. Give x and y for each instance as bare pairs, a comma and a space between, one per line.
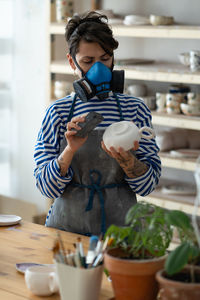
6, 220
185, 153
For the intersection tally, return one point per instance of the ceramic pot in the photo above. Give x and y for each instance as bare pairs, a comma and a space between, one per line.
133, 279
124, 134
171, 289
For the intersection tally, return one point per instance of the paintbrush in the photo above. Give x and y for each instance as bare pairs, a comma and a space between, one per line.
62, 248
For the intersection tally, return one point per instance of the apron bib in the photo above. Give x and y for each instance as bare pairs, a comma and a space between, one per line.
97, 196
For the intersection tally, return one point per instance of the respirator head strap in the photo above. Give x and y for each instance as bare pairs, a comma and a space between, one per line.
117, 81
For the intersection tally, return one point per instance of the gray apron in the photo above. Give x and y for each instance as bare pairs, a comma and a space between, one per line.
97, 196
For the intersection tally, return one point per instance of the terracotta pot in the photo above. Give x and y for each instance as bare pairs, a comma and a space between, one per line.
133, 279
171, 289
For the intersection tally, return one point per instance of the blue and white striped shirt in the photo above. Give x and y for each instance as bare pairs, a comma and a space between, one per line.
47, 149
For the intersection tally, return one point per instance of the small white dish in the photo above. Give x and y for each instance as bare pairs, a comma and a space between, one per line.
22, 267
6, 220
184, 58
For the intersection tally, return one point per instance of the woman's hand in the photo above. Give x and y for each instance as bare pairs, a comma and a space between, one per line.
128, 162
74, 142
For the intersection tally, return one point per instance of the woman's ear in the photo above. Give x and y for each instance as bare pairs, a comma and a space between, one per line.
71, 62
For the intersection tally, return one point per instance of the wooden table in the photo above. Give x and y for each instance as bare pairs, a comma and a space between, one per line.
28, 242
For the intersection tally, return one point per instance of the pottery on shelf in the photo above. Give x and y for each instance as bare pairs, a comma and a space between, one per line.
136, 20
161, 20
124, 134
184, 58
192, 110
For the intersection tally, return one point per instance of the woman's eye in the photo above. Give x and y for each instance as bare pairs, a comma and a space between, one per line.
105, 58
87, 62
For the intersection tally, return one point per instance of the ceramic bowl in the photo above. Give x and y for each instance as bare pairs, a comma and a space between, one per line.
137, 90
161, 20
190, 110
124, 134
193, 99
184, 58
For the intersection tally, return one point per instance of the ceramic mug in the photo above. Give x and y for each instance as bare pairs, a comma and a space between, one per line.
160, 102
194, 60
124, 134
173, 102
41, 280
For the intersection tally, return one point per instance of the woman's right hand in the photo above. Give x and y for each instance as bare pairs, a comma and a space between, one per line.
74, 142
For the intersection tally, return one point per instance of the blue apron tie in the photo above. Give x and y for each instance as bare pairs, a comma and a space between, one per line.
95, 187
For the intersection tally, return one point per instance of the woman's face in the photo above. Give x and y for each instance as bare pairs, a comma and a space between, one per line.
88, 54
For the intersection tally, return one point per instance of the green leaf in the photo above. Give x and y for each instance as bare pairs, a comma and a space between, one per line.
179, 219
178, 258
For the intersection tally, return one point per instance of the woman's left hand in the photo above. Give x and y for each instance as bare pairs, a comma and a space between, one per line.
120, 153
128, 162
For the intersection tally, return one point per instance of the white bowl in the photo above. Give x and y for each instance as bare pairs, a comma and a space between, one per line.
124, 134
190, 110
136, 20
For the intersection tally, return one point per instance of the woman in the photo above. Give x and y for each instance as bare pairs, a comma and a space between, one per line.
93, 187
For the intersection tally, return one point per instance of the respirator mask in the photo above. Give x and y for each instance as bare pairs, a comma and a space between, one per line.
98, 81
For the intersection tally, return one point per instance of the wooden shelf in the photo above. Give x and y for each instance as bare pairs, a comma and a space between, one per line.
166, 72
179, 121
147, 31
180, 202
162, 72
177, 163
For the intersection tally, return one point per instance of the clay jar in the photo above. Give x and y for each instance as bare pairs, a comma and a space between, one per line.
133, 278
124, 134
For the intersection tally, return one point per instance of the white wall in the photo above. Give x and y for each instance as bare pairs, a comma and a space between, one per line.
29, 82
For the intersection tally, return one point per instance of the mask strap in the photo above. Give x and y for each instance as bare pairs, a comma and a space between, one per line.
119, 107
71, 109
76, 63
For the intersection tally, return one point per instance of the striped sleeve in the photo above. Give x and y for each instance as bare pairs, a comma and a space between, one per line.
147, 153
47, 171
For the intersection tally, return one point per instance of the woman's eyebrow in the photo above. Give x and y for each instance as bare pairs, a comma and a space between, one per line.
87, 57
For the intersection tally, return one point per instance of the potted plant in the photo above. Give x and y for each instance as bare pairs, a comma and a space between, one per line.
138, 251
181, 275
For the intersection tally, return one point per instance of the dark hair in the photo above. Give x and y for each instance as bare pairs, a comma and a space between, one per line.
91, 27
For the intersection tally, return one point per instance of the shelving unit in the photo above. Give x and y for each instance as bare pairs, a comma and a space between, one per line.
158, 72
183, 203
147, 31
